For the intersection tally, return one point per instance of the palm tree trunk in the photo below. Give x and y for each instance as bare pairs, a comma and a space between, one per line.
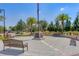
31, 29
62, 26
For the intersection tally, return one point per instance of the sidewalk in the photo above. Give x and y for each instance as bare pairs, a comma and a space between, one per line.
51, 46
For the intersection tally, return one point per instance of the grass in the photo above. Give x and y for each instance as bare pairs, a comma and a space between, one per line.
2, 37
24, 34
45, 33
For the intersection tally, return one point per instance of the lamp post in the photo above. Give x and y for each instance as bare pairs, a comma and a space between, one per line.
3, 12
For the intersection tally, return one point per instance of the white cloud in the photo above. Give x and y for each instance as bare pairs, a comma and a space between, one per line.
61, 9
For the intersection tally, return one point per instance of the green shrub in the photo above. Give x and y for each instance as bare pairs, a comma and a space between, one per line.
2, 37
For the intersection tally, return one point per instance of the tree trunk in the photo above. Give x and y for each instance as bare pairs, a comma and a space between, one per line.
62, 26
31, 29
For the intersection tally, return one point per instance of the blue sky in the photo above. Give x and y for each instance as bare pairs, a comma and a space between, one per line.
48, 12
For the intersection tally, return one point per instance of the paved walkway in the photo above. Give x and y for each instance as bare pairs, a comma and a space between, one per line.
50, 46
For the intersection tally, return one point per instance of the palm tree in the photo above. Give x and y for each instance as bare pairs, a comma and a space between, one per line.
30, 22
62, 17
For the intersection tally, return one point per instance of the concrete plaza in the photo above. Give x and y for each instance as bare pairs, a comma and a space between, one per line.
49, 46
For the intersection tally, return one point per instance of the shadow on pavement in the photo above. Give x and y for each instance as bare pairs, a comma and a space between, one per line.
13, 52
59, 36
75, 54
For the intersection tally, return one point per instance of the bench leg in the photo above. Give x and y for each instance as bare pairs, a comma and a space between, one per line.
23, 49
3, 48
27, 48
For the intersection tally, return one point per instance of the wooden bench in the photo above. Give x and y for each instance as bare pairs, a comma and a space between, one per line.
14, 43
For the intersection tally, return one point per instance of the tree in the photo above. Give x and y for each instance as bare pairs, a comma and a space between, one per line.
1, 28
43, 24
72, 27
21, 26
30, 22
68, 25
1, 19
12, 28
57, 26
62, 17
34, 28
76, 23
51, 27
